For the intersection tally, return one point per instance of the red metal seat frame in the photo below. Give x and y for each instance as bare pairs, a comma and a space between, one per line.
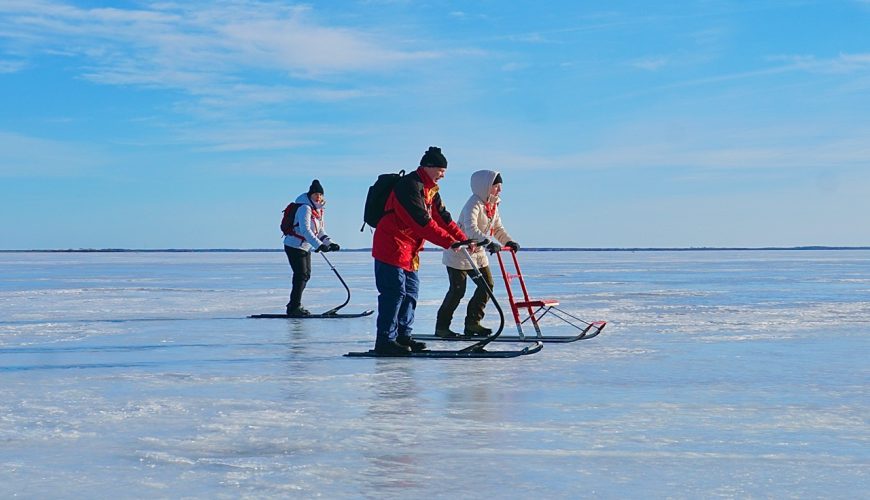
536, 309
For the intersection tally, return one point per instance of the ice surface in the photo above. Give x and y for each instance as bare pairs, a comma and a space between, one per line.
720, 374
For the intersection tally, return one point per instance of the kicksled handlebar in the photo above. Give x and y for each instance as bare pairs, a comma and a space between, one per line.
464, 244
481, 244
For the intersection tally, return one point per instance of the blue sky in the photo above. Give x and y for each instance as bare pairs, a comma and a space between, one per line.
615, 124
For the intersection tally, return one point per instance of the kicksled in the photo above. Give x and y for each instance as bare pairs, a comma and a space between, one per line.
530, 312
330, 314
476, 350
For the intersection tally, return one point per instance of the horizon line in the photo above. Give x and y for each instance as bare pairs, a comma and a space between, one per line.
368, 249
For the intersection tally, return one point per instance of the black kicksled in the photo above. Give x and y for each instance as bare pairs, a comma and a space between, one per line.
476, 350
330, 314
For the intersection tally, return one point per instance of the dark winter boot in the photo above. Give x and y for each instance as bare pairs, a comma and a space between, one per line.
415, 346
476, 330
391, 348
446, 333
297, 312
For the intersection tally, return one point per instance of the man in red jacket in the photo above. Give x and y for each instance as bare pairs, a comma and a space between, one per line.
413, 213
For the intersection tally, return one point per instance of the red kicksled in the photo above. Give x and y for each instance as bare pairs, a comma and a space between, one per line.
532, 311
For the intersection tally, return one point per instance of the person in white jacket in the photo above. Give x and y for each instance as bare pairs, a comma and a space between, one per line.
306, 233
479, 220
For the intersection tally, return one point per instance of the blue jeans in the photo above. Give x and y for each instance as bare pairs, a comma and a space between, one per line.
397, 300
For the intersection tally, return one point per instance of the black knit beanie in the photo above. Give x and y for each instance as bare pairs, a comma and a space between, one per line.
315, 187
433, 158
497, 179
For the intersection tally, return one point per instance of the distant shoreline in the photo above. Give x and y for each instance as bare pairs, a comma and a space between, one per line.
539, 249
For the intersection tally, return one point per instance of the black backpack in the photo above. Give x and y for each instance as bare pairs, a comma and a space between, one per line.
377, 196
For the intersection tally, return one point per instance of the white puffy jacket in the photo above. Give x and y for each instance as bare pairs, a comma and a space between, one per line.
308, 227
476, 223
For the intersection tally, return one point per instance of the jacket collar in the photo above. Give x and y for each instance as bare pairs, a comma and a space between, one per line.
428, 183
303, 199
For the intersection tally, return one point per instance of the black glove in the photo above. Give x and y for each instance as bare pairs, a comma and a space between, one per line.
493, 247
333, 247
322, 248
457, 244
513, 246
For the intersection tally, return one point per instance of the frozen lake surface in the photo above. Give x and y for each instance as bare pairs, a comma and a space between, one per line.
720, 374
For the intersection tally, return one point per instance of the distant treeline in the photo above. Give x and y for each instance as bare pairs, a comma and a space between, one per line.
525, 249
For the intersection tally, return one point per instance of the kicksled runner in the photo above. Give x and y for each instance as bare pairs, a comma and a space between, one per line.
531, 311
330, 314
476, 350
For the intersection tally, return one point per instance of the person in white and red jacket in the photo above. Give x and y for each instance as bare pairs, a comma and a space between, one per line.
480, 220
307, 233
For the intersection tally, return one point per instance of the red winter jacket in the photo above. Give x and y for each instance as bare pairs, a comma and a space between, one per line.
413, 213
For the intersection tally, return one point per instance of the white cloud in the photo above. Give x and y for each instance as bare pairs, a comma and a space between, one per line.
248, 136
651, 63
705, 146
201, 47
513, 66
842, 64
27, 156
12, 66
529, 38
